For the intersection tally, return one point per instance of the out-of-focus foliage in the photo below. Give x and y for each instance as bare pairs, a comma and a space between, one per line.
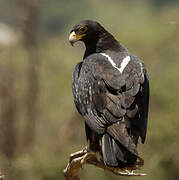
147, 30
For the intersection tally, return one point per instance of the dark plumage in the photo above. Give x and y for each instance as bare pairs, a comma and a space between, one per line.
111, 92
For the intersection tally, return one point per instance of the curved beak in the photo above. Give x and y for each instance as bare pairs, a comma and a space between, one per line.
73, 38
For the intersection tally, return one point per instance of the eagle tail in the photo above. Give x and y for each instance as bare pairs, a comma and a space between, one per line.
115, 154
108, 150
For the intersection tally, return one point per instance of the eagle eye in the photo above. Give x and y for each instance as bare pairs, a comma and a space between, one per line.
83, 29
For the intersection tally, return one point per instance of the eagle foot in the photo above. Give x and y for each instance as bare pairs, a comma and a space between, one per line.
83, 156
138, 164
129, 173
77, 154
86, 156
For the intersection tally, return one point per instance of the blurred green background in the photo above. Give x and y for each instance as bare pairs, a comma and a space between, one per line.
39, 124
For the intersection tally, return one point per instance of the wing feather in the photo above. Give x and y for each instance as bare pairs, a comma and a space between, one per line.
105, 97
75, 83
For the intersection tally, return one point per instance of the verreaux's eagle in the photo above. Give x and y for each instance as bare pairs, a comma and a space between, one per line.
111, 92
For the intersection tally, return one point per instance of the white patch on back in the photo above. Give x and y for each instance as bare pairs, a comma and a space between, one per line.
124, 62
141, 67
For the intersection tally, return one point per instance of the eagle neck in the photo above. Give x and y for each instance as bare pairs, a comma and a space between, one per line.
107, 41
104, 42
90, 49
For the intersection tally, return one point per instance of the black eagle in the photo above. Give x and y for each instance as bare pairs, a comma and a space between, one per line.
111, 92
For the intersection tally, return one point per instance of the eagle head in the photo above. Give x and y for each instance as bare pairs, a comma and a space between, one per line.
87, 31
